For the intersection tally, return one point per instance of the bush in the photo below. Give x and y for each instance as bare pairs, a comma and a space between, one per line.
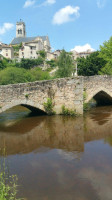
66, 111
29, 63
38, 74
12, 75
86, 106
52, 63
48, 106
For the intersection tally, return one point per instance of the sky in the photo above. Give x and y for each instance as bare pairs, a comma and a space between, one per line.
70, 24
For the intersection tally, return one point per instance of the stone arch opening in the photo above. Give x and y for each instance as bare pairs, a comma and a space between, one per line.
102, 98
34, 110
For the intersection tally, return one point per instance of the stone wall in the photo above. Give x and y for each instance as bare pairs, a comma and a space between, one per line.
67, 91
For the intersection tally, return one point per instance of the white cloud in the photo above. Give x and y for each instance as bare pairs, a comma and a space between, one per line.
6, 27
83, 48
29, 3
101, 3
46, 3
66, 14
50, 1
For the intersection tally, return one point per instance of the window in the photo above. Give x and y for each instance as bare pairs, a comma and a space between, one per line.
6, 54
19, 31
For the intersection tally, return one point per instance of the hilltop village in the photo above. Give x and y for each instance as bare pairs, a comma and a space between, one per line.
29, 47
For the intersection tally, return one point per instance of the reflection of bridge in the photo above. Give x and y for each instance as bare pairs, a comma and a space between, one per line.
67, 91
69, 134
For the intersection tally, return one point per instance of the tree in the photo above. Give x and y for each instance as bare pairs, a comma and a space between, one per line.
91, 65
65, 65
106, 54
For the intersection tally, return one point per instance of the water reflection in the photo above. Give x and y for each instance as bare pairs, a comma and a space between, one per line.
60, 157
57, 132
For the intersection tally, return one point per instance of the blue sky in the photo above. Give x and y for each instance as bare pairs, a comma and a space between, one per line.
70, 24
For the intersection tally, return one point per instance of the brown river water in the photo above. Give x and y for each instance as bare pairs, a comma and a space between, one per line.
57, 157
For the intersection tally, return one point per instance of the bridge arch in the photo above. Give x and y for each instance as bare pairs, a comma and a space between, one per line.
102, 96
36, 108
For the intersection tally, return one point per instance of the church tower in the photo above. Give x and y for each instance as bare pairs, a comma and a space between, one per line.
20, 29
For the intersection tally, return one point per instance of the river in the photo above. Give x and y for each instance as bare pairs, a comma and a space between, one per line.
57, 157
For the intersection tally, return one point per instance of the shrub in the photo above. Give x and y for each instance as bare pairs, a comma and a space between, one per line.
12, 75
66, 111
86, 106
38, 74
48, 106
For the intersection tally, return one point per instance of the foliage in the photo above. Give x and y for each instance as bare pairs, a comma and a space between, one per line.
8, 183
65, 65
107, 69
84, 95
26, 95
38, 74
48, 106
16, 53
42, 54
17, 47
66, 111
12, 75
106, 50
86, 106
4, 63
91, 65
106, 54
8, 191
52, 63
29, 63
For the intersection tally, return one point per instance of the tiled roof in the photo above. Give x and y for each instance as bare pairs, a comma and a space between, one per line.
6, 46
25, 39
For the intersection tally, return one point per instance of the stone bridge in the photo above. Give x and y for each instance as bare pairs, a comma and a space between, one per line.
66, 91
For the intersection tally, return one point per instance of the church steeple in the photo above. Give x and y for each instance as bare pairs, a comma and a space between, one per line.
20, 29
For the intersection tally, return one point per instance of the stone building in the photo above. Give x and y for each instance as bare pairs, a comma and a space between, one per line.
53, 55
6, 51
31, 49
81, 54
30, 45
